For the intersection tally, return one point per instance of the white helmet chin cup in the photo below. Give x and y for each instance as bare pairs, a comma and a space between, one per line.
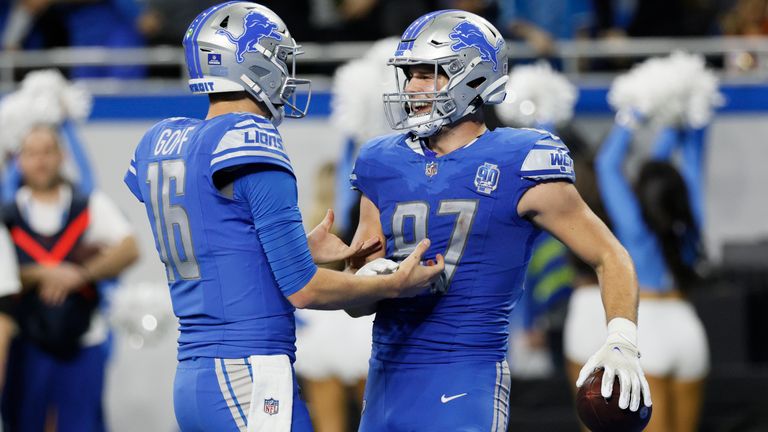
423, 130
244, 46
463, 46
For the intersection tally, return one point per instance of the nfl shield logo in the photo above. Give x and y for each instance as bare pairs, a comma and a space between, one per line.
271, 406
431, 169
487, 178
214, 59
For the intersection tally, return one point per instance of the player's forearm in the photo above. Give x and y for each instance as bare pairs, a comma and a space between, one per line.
618, 283
112, 261
330, 289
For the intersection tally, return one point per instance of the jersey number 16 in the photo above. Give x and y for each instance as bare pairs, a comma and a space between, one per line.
171, 220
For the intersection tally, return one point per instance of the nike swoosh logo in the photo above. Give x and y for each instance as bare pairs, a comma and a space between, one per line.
445, 399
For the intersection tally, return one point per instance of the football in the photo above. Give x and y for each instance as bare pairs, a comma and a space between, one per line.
604, 415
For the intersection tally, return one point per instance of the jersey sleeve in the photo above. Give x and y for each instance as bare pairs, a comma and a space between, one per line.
543, 158
131, 174
363, 175
548, 159
272, 196
249, 140
132, 181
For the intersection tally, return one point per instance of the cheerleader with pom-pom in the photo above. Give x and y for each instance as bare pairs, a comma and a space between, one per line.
659, 220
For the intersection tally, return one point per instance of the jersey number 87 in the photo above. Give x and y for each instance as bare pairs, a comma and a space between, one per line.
418, 211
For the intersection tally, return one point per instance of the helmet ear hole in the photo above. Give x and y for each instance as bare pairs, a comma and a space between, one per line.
477, 82
259, 71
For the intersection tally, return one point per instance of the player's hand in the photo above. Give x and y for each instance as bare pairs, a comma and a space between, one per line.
620, 357
326, 247
412, 277
379, 266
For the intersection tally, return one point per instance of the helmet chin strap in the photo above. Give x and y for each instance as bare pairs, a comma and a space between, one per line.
277, 113
258, 93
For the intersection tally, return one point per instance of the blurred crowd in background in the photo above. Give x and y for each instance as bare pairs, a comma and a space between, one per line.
40, 24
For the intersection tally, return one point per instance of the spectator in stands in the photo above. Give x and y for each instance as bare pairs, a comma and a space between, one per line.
488, 9
66, 244
107, 23
541, 23
364, 19
25, 25
613, 17
746, 18
165, 21
656, 18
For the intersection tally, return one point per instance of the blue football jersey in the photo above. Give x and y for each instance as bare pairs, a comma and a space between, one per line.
465, 202
222, 289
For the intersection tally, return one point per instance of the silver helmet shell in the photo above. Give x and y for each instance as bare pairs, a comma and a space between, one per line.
244, 46
462, 45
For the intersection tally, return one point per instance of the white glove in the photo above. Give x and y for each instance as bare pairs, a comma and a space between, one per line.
379, 266
620, 357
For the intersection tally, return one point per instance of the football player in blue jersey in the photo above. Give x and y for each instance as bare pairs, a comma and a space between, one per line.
220, 195
482, 197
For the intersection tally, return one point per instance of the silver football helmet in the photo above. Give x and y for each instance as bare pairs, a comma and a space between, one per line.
244, 46
464, 46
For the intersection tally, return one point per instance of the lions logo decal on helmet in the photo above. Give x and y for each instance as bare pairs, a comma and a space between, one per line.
468, 35
215, 48
255, 27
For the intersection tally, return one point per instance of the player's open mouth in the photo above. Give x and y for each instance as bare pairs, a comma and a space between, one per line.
418, 109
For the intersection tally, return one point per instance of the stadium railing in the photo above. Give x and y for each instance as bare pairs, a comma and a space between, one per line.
570, 54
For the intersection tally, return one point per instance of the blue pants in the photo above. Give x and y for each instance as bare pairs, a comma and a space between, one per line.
465, 396
202, 403
37, 382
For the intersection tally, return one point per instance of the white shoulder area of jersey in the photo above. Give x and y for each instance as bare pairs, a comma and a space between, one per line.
168, 122
547, 158
164, 123
383, 140
249, 135
375, 147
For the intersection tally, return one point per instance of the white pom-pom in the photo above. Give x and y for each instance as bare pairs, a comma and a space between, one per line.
45, 97
14, 121
674, 90
537, 95
143, 312
357, 107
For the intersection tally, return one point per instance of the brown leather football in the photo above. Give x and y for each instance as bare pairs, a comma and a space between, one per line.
604, 415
